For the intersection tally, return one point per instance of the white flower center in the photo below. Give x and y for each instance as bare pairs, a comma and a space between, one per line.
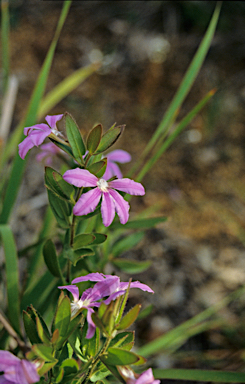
56, 132
103, 185
77, 305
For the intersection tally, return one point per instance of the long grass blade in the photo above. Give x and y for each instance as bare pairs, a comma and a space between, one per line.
19, 164
161, 148
5, 42
200, 375
166, 340
184, 87
12, 276
64, 88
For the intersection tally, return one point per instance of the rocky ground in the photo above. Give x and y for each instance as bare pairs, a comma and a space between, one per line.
198, 255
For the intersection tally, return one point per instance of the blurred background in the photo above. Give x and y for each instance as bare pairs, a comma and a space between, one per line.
198, 255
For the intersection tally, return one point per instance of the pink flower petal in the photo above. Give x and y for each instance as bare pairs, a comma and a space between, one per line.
7, 359
80, 178
119, 156
38, 136
39, 127
73, 289
90, 277
24, 147
147, 378
3, 380
112, 169
136, 284
52, 120
87, 202
29, 371
107, 209
91, 325
128, 186
121, 205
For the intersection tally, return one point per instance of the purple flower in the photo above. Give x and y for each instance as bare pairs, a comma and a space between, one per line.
36, 134
48, 151
132, 378
16, 370
106, 285
112, 169
112, 201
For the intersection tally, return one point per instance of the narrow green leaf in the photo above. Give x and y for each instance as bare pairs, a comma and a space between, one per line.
30, 328
129, 318
34, 315
41, 333
98, 376
122, 339
109, 138
200, 375
118, 356
74, 138
51, 258
63, 316
130, 266
65, 147
12, 276
83, 239
46, 367
44, 352
140, 224
30, 119
94, 139
55, 182
126, 243
98, 169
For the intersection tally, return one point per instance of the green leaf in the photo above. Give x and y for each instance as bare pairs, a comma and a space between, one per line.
51, 258
63, 316
12, 276
99, 238
118, 356
97, 321
65, 147
44, 352
99, 375
126, 243
75, 256
98, 169
129, 318
46, 367
200, 375
30, 328
94, 139
60, 208
41, 333
74, 138
70, 366
34, 315
140, 224
55, 182
30, 119
83, 239
109, 138
122, 339
130, 266
145, 312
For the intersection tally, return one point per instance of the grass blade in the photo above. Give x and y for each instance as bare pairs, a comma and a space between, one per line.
12, 276
5, 42
19, 164
200, 375
184, 87
64, 88
161, 148
167, 340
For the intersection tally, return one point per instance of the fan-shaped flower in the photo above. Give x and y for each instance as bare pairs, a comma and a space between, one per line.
106, 286
16, 370
36, 134
112, 201
132, 378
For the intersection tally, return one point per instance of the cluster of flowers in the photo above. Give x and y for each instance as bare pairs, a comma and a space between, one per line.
106, 286
112, 201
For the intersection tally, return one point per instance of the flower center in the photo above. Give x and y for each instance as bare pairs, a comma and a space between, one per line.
103, 185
